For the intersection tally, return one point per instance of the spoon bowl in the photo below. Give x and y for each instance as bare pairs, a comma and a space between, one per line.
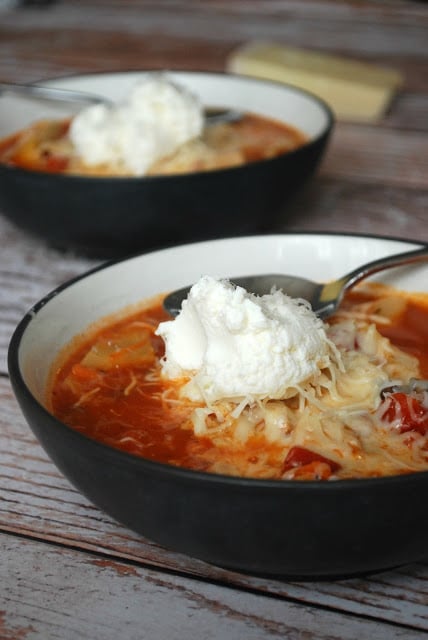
323, 298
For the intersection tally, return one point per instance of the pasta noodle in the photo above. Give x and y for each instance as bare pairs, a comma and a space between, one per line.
350, 424
46, 146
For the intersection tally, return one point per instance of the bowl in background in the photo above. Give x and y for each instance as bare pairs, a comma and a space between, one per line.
111, 217
291, 528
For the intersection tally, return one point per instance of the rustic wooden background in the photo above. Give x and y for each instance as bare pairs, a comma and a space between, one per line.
66, 569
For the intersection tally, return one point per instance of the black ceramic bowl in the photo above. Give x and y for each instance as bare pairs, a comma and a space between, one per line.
292, 528
110, 217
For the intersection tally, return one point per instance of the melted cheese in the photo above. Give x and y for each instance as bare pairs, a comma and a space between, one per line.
335, 417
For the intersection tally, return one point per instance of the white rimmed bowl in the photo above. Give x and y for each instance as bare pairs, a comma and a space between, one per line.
110, 217
291, 528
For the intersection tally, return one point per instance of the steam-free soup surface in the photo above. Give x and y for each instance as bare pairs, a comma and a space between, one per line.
111, 389
46, 146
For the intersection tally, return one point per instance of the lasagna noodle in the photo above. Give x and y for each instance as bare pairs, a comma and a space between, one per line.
338, 415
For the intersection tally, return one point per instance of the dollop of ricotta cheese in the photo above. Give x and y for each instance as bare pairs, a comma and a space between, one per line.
234, 345
155, 119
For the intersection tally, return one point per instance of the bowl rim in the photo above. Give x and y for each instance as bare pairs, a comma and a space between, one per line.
324, 133
162, 468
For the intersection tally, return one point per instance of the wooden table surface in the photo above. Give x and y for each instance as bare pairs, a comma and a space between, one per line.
66, 569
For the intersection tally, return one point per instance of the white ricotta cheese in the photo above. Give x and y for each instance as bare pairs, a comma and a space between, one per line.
155, 119
233, 345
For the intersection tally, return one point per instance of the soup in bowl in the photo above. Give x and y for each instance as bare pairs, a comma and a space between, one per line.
158, 128
227, 179
320, 475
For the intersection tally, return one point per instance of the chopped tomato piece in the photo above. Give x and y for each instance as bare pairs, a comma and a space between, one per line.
406, 411
309, 464
82, 372
56, 164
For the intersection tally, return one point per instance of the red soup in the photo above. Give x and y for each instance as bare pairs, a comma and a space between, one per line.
357, 425
46, 146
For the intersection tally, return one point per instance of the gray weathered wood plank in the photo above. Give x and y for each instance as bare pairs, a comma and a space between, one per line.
37, 501
71, 594
333, 205
324, 24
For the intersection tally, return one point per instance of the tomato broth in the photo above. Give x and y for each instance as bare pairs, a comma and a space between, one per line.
111, 389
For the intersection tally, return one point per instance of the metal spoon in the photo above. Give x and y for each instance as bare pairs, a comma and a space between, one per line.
52, 93
324, 298
212, 115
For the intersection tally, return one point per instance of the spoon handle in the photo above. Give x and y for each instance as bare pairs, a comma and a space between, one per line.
396, 260
50, 93
212, 116
332, 293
